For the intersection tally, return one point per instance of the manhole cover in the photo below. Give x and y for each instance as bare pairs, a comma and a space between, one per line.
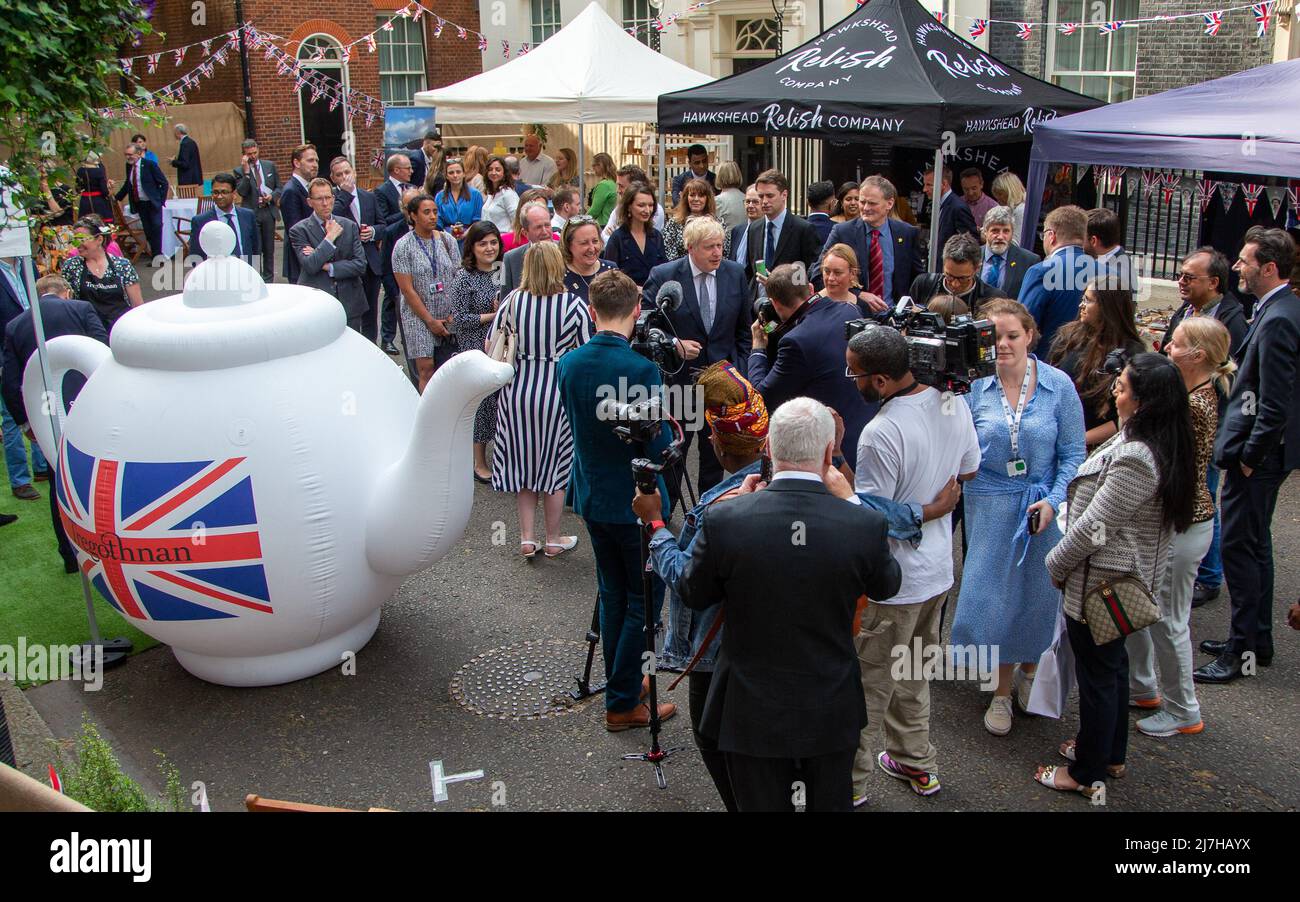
526, 681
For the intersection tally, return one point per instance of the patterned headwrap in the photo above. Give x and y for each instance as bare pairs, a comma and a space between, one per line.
733, 409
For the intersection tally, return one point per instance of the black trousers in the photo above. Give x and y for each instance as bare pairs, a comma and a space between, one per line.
772, 784
698, 686
1247, 545
371, 282
1102, 674
151, 221
65, 547
265, 220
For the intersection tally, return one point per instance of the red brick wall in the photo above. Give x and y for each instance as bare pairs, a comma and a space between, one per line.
275, 103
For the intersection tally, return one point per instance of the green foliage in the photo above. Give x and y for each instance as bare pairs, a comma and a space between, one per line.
96, 779
59, 65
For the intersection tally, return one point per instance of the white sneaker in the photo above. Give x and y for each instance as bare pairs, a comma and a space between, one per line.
1022, 684
997, 719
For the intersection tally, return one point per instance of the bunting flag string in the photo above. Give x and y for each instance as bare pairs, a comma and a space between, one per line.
1024, 30
978, 27
1213, 22
1250, 193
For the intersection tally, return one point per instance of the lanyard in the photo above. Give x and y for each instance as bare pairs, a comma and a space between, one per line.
428, 254
1014, 423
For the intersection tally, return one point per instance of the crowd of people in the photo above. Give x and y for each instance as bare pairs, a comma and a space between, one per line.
1174, 459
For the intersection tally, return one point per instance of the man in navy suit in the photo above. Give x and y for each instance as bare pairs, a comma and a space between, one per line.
358, 205
1102, 242
388, 196
954, 214
248, 239
810, 358
1258, 446
59, 316
1005, 262
1053, 287
293, 202
821, 204
147, 188
189, 171
897, 244
779, 237
712, 324
428, 161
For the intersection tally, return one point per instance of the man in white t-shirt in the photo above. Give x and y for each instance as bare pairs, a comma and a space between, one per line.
918, 441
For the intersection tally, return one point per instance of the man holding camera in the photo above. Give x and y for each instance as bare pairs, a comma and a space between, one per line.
914, 446
602, 483
810, 358
712, 323
784, 706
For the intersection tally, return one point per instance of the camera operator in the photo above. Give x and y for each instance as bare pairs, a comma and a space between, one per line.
917, 442
962, 257
791, 561
711, 325
810, 357
602, 483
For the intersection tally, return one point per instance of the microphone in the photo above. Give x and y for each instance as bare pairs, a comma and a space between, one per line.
669, 297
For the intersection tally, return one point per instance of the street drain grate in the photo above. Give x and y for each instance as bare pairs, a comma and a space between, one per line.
526, 681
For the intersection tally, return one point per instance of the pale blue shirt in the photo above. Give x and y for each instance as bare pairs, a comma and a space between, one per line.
779, 222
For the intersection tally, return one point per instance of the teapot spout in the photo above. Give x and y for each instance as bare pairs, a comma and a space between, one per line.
421, 504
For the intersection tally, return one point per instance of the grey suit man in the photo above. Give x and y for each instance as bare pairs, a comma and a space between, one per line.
1004, 263
334, 263
536, 220
258, 184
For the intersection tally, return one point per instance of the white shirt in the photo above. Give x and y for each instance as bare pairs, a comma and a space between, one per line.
538, 171
1259, 305
908, 452
558, 223
500, 209
812, 477
306, 186
614, 223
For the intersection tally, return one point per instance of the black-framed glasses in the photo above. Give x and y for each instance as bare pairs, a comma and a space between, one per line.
849, 374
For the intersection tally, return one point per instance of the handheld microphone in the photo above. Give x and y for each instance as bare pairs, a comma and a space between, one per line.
669, 297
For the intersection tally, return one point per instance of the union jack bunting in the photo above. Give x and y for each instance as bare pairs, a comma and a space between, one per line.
416, 11
1203, 191
482, 43
207, 47
437, 28
1263, 15
135, 527
505, 49
523, 48
461, 33
387, 26
126, 65
1110, 27
152, 62
1250, 194
1024, 30
978, 27
370, 43
1068, 27
1213, 22
179, 56
938, 16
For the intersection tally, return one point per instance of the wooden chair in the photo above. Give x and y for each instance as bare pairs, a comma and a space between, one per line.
187, 191
130, 235
632, 141
256, 803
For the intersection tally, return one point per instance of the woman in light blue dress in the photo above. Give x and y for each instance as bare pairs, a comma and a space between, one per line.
1007, 600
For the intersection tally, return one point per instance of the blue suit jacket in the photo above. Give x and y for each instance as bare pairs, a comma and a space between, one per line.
601, 485
59, 317
823, 223
1052, 290
250, 237
388, 202
293, 209
189, 171
908, 261
810, 362
153, 184
10, 306
730, 338
370, 217
954, 216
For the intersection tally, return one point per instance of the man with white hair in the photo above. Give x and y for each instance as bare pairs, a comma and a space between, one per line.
537, 227
789, 561
189, 171
1005, 262
917, 442
711, 325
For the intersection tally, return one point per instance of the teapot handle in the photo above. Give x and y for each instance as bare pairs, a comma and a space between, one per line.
65, 353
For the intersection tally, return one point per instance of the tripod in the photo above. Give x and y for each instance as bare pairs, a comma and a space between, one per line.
656, 756
585, 689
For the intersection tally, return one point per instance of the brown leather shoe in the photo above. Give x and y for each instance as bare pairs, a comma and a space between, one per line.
637, 717
27, 493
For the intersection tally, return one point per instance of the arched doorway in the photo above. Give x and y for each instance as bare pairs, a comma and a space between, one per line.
320, 125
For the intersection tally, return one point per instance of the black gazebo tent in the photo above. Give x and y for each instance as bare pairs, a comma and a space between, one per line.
888, 73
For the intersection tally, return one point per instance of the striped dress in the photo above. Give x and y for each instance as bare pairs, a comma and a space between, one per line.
534, 447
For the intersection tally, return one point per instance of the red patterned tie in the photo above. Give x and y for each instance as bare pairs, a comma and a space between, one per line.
876, 266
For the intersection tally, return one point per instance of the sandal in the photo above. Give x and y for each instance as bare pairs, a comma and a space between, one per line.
1115, 771
529, 555
1046, 775
569, 543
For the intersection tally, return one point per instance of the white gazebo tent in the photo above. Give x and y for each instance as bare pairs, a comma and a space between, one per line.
590, 71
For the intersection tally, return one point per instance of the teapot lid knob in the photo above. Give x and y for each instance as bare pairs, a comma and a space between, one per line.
222, 280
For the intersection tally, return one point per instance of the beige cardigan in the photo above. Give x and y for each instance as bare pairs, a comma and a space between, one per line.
1114, 518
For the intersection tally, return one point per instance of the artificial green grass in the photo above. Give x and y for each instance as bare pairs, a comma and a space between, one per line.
37, 599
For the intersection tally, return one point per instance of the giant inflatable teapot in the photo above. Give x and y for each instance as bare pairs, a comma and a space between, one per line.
247, 479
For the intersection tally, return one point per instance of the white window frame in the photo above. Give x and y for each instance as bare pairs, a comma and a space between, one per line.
539, 26
642, 25
329, 67
1110, 74
388, 37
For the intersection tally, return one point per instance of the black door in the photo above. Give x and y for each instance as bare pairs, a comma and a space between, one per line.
322, 126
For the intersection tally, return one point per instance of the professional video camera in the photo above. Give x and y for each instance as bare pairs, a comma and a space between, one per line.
654, 337
640, 424
948, 355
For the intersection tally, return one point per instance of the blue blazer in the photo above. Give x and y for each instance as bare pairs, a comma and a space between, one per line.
954, 216
1052, 289
601, 485
623, 252
59, 317
908, 260
293, 209
823, 224
810, 362
189, 171
250, 237
370, 217
389, 202
730, 338
153, 184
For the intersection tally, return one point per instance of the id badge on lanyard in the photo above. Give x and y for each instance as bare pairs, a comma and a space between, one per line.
1016, 466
